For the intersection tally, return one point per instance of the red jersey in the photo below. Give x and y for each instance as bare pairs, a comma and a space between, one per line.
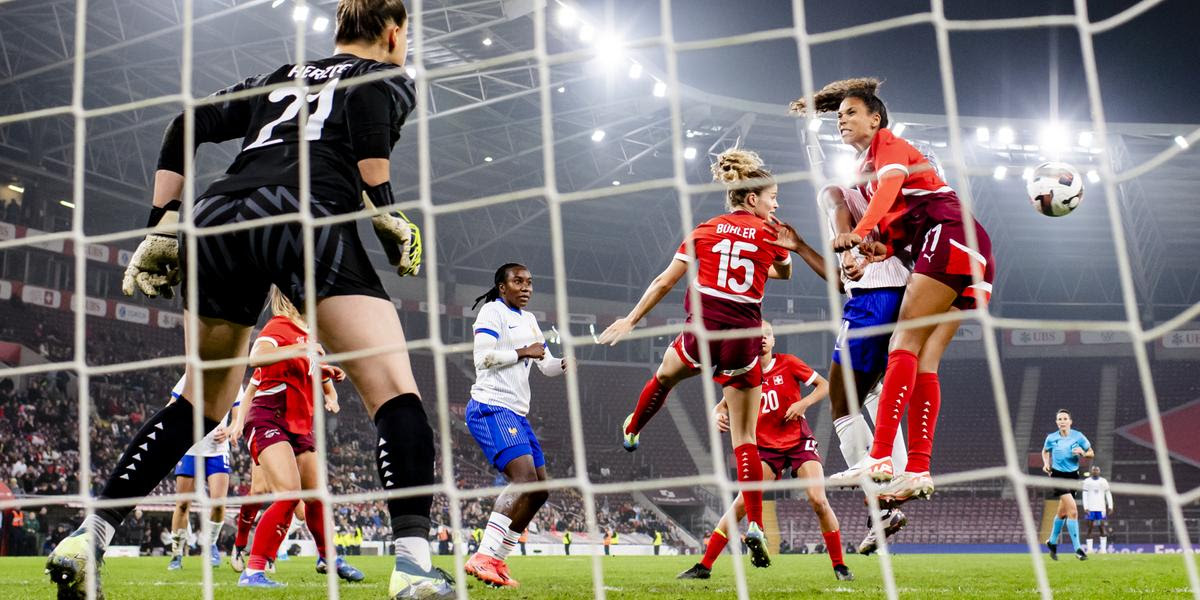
920, 195
289, 379
734, 257
781, 381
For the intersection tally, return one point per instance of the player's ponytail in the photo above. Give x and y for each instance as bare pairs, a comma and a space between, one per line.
501, 276
365, 20
281, 306
743, 173
830, 97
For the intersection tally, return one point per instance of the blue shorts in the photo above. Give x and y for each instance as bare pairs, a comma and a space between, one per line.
186, 467
868, 308
1095, 515
502, 434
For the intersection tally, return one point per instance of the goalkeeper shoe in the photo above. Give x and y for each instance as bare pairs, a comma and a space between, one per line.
698, 571
410, 582
67, 565
629, 440
756, 541
875, 469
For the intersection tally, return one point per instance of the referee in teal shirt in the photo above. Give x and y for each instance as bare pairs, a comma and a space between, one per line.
1060, 460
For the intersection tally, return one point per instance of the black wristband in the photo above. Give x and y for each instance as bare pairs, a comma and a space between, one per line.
380, 195
157, 212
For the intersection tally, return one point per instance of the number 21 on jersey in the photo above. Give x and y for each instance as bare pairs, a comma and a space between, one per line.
316, 118
731, 258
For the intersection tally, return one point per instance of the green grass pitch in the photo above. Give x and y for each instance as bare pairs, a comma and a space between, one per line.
649, 577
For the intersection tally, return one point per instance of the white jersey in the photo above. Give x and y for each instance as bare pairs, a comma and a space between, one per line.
501, 379
891, 272
209, 445
1096, 496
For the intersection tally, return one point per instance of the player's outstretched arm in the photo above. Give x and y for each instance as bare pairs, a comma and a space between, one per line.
265, 352
819, 393
650, 298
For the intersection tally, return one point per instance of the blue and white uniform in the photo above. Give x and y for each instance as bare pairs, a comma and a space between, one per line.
1097, 498
215, 454
873, 300
500, 396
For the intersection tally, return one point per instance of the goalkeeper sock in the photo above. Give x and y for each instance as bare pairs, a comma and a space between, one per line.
157, 446
922, 421
404, 458
1056, 531
749, 468
653, 395
716, 544
245, 522
833, 545
898, 383
1073, 530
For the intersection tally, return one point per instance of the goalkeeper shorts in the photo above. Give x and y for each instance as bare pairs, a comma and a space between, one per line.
235, 269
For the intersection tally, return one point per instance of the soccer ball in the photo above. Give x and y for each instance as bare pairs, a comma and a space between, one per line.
1055, 189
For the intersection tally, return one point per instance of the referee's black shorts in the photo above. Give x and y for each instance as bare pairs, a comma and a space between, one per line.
235, 270
1059, 492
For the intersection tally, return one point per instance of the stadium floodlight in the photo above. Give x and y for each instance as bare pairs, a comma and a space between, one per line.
609, 50
1053, 137
16, 188
276, 3
616, 182
1093, 176
300, 13
689, 153
843, 167
67, 203
1181, 142
814, 125
1086, 138
983, 135
660, 89
635, 70
598, 135
566, 17
1027, 174
1000, 173
898, 130
487, 41
562, 89
1005, 135
487, 159
320, 24
587, 33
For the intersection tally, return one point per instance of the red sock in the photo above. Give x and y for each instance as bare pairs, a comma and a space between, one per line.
270, 533
898, 383
652, 398
833, 545
716, 544
922, 421
316, 525
749, 468
245, 522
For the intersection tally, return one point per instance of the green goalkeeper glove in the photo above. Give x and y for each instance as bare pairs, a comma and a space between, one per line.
401, 238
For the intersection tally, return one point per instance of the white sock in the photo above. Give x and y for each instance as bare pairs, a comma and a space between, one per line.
177, 540
214, 531
1089, 545
493, 536
854, 437
415, 550
509, 542
296, 524
1103, 544
102, 531
899, 448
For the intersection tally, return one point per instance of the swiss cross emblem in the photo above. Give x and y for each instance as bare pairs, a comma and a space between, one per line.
778, 380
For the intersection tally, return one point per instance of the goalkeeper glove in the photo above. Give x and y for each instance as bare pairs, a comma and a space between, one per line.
401, 238
154, 268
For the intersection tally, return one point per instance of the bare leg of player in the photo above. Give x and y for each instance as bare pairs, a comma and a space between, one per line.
404, 454
670, 373
218, 489
830, 529
510, 517
179, 522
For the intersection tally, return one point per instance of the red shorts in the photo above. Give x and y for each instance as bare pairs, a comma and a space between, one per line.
265, 426
946, 257
735, 361
789, 461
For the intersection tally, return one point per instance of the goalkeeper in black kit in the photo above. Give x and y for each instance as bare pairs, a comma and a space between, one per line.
351, 126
